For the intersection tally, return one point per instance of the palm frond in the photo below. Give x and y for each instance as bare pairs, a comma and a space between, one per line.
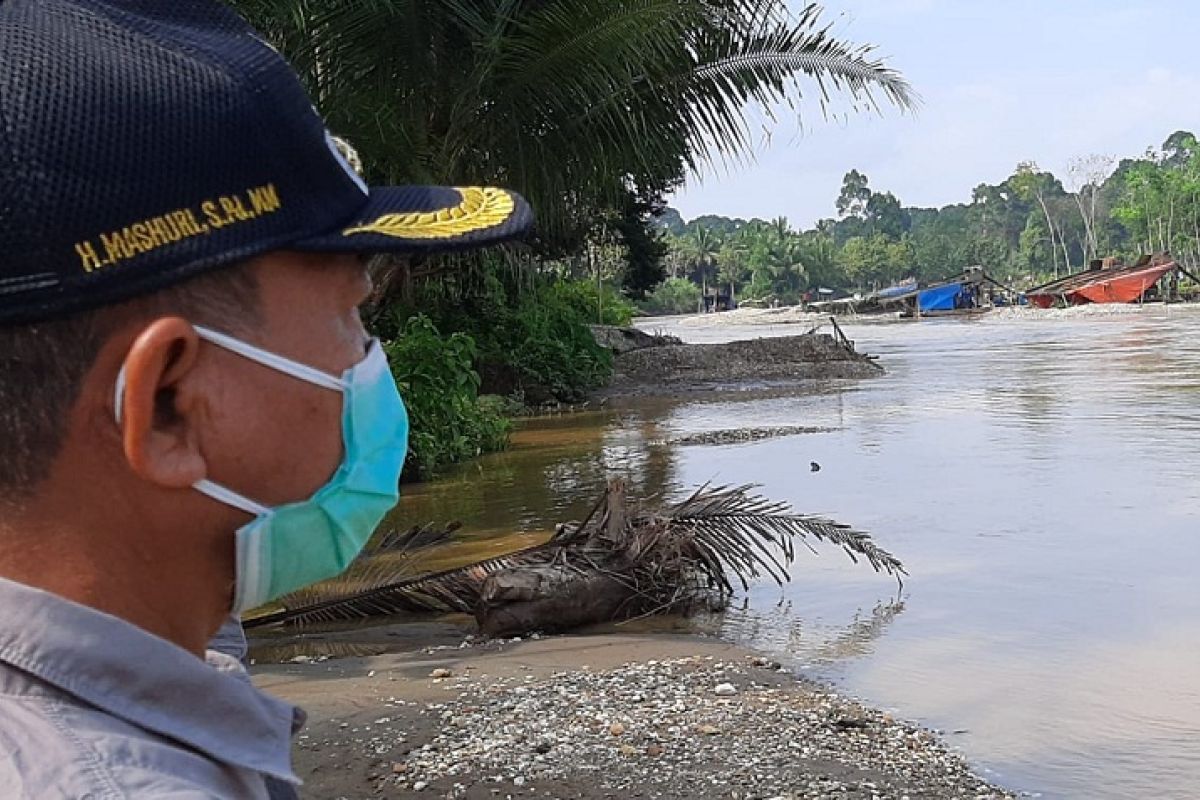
390, 563
663, 561
749, 533
569, 102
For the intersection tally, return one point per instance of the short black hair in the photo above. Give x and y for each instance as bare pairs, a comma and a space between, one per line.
43, 364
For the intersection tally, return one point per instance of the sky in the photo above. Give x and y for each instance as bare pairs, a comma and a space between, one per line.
1000, 83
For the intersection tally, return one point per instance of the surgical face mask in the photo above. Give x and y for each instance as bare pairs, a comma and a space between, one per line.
290, 546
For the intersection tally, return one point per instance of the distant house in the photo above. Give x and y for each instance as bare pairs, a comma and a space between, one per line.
717, 300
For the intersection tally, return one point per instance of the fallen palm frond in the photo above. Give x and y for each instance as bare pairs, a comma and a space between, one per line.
380, 570
616, 564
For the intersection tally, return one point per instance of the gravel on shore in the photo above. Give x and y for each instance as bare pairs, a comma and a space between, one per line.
718, 724
742, 435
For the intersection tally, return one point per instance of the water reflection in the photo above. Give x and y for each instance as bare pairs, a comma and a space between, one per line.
340, 640
803, 640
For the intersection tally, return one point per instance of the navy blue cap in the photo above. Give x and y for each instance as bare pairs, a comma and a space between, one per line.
142, 142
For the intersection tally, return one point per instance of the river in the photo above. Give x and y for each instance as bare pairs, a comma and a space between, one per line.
1037, 473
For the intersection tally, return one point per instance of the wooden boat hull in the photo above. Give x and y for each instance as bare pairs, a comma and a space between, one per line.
1100, 286
1042, 300
1124, 288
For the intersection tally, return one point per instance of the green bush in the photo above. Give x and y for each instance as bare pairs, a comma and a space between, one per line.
448, 419
546, 340
674, 296
609, 308
531, 341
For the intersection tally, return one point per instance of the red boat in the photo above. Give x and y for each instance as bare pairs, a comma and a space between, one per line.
1103, 282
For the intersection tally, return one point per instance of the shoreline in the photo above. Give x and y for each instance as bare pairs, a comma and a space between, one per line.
788, 316
669, 716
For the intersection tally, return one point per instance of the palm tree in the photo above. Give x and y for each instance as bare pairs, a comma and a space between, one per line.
571, 102
776, 257
781, 228
732, 260
677, 258
819, 256
788, 254
703, 247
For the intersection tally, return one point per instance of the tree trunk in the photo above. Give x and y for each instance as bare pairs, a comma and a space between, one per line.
1170, 225
558, 596
1050, 229
392, 281
1089, 222
549, 598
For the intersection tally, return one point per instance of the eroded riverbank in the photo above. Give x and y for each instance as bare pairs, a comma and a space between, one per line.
763, 363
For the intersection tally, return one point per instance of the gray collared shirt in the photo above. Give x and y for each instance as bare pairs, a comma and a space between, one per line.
94, 707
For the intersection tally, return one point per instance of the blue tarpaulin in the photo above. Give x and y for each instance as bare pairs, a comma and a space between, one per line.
940, 298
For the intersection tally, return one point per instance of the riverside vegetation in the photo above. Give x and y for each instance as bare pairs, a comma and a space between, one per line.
594, 110
467, 357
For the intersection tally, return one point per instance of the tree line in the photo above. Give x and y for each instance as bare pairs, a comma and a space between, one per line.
1031, 227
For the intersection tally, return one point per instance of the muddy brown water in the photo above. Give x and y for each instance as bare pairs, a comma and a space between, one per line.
1039, 474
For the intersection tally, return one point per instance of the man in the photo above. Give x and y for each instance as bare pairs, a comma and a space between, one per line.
192, 419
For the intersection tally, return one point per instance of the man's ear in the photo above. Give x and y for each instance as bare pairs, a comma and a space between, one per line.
160, 405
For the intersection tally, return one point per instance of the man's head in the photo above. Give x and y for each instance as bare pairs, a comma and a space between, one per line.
169, 175
80, 489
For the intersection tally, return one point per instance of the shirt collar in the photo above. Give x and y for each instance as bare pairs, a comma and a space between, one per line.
146, 681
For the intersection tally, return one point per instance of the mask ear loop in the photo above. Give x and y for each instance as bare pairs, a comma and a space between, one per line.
119, 396
264, 357
204, 486
267, 359
271, 360
229, 497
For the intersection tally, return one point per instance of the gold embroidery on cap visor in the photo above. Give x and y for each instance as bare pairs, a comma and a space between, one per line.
479, 210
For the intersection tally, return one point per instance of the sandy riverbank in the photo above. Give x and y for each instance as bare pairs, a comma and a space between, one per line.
794, 315
610, 716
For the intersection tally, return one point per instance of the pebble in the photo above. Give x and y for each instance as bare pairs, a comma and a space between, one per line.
676, 728
441, 672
